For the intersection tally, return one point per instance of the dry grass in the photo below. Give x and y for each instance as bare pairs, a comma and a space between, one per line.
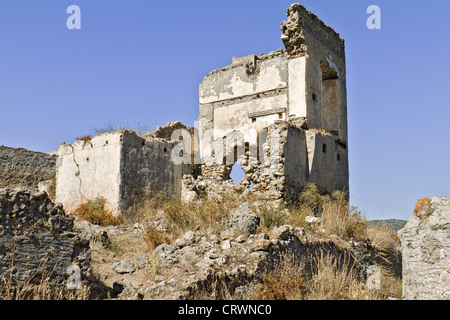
95, 211
287, 282
383, 238
40, 286
179, 217
340, 219
45, 290
154, 238
331, 279
205, 214
336, 281
391, 286
337, 217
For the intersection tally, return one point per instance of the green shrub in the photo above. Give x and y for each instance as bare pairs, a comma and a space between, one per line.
311, 199
273, 217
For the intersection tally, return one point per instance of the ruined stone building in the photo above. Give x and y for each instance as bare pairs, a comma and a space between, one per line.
118, 166
282, 116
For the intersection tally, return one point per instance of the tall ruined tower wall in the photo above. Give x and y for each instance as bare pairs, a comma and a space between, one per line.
283, 116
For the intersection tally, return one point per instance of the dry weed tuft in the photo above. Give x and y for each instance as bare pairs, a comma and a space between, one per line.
334, 280
342, 220
86, 138
95, 212
287, 282
382, 237
155, 237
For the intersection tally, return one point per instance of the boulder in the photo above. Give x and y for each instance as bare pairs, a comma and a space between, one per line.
426, 251
124, 266
243, 221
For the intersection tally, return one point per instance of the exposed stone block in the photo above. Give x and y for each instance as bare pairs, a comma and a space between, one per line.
426, 251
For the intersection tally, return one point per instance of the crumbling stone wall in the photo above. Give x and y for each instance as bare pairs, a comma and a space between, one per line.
317, 51
165, 132
37, 241
282, 116
24, 168
426, 251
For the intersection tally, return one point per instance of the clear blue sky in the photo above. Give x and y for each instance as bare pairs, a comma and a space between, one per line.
140, 62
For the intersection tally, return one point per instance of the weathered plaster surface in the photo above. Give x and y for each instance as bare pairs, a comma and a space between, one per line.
119, 166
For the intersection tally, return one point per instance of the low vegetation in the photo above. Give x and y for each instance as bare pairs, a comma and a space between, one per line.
120, 125
330, 280
43, 290
179, 217
96, 212
167, 219
85, 138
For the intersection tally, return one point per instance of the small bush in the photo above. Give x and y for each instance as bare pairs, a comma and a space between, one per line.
273, 217
95, 212
311, 199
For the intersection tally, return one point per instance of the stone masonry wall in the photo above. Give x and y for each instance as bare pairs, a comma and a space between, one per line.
24, 168
37, 241
146, 167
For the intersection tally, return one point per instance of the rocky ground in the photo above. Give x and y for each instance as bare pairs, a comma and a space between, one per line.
205, 264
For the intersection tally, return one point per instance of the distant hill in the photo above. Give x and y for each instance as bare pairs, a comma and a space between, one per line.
393, 224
